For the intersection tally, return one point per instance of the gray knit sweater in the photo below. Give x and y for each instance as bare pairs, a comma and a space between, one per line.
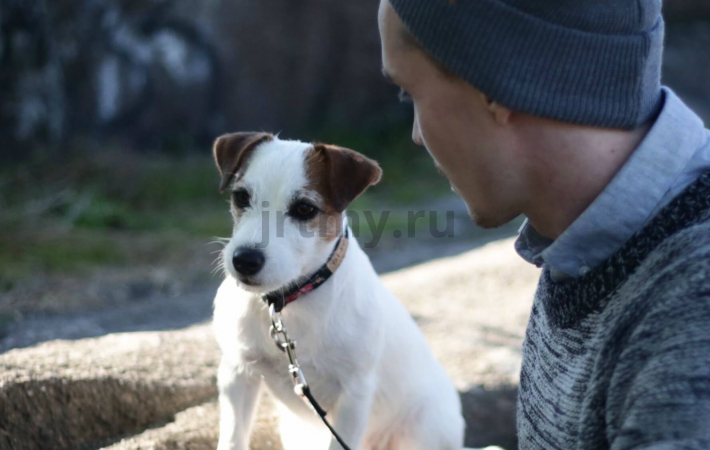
620, 358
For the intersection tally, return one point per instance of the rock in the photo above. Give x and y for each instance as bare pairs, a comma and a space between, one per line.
473, 309
197, 429
64, 395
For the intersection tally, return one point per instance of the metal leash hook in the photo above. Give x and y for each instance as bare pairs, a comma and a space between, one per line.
285, 344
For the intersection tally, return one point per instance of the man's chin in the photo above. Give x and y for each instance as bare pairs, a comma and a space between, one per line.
486, 221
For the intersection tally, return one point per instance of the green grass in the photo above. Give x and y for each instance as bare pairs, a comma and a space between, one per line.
59, 217
73, 214
22, 253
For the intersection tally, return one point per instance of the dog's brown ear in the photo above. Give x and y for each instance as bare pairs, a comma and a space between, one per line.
231, 151
341, 174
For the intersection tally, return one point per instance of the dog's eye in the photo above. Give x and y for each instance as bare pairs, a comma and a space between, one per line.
241, 198
303, 211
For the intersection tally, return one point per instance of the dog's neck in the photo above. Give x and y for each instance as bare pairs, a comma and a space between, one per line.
292, 291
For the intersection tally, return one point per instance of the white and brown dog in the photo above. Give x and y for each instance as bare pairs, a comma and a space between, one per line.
366, 361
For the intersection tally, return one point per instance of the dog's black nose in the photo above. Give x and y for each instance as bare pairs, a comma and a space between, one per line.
248, 261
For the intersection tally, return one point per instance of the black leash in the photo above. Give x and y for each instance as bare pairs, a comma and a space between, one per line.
321, 412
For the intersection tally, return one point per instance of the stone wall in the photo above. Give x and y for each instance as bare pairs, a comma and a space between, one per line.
167, 74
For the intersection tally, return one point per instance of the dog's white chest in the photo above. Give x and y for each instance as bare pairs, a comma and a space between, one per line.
258, 351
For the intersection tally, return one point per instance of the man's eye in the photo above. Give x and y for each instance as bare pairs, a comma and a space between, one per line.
241, 198
404, 96
303, 211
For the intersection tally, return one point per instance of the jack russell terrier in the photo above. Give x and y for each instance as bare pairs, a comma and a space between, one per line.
366, 360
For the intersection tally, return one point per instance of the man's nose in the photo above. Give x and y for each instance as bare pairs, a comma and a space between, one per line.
248, 261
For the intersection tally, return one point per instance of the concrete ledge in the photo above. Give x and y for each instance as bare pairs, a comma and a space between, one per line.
148, 390
64, 395
197, 429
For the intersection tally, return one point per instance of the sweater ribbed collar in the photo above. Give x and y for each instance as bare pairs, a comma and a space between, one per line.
568, 302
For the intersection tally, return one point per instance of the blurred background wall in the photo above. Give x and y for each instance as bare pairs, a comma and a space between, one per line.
108, 194
171, 74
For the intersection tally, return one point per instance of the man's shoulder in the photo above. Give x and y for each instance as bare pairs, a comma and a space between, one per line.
672, 286
681, 258
656, 356
663, 312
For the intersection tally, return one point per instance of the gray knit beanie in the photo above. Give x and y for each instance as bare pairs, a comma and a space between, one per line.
591, 62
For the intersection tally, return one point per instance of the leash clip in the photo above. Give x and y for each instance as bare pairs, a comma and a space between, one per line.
277, 330
285, 344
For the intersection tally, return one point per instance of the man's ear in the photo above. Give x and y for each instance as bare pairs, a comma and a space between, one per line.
500, 113
342, 174
231, 152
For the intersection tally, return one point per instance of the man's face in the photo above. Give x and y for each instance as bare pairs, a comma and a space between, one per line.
455, 122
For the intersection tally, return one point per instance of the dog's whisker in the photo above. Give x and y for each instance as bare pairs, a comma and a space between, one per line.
219, 266
218, 241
